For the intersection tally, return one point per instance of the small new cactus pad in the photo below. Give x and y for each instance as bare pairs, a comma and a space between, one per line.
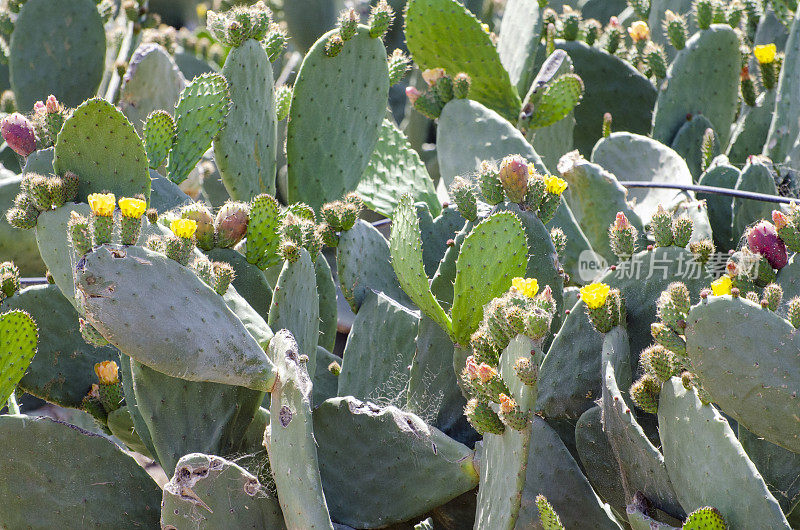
199, 116
547, 515
19, 337
100, 145
159, 135
73, 72
319, 169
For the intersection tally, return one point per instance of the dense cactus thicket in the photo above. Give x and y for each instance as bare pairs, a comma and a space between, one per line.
370, 264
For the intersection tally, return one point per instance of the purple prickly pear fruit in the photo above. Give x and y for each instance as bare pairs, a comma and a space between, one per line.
230, 225
763, 238
19, 133
514, 177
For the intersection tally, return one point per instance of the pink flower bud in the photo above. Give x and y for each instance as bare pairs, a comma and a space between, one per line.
39, 107
52, 106
412, 94
19, 133
621, 222
763, 239
779, 219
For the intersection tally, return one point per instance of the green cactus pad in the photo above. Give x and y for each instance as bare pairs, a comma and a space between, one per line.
363, 262
492, 255
380, 347
246, 147
595, 196
518, 44
598, 460
234, 357
783, 131
57, 48
504, 457
199, 116
165, 194
152, 82
263, 232
640, 521
703, 79
558, 100
17, 244
777, 466
208, 492
62, 372
407, 261
120, 423
250, 281
100, 145
436, 233
751, 128
290, 441
295, 306
688, 143
176, 413
19, 336
635, 157
707, 465
396, 466
159, 134
328, 310
641, 465
612, 85
740, 354
720, 208
75, 474
756, 176
54, 247
394, 170
335, 97
430, 25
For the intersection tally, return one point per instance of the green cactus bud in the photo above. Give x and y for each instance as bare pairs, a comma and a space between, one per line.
91, 404
676, 29
236, 33
706, 518
496, 324
334, 45
793, 311
348, 24
622, 237
752, 9
289, 251
773, 294
527, 372
131, 9
537, 323
549, 16
702, 250
129, 229
38, 187
283, 102
511, 415
591, 31
570, 24
707, 148
335, 368
91, 335
111, 396
7, 102
548, 207
607, 119
58, 191
328, 235
481, 416
332, 214
425, 103
79, 233
703, 13
101, 227
668, 338
261, 19
9, 279
550, 40
613, 36
641, 8
658, 362
204, 270
443, 89
752, 296
661, 227
547, 515
275, 42
670, 313
734, 14
380, 19
559, 239
399, 64
765, 274
465, 195
461, 85
483, 349
230, 225
490, 384
489, 183
178, 248
748, 88
656, 60
156, 244
645, 393
679, 295
682, 228
224, 275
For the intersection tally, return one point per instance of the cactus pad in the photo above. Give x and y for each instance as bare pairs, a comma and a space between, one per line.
159, 134
19, 337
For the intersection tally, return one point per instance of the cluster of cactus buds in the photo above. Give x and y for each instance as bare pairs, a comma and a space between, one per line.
236, 26
667, 231
604, 306
40, 193
441, 88
9, 279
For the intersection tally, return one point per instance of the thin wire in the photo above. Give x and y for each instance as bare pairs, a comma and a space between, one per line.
713, 190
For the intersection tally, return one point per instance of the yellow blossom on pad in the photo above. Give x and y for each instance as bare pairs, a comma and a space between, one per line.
507, 404
107, 372
765, 53
183, 227
102, 204
132, 207
527, 286
555, 185
722, 285
595, 295
639, 31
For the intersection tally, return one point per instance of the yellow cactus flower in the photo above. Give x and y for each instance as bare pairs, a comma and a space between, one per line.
107, 372
184, 228
595, 295
555, 185
132, 207
639, 31
102, 204
431, 76
765, 53
507, 404
527, 286
722, 285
